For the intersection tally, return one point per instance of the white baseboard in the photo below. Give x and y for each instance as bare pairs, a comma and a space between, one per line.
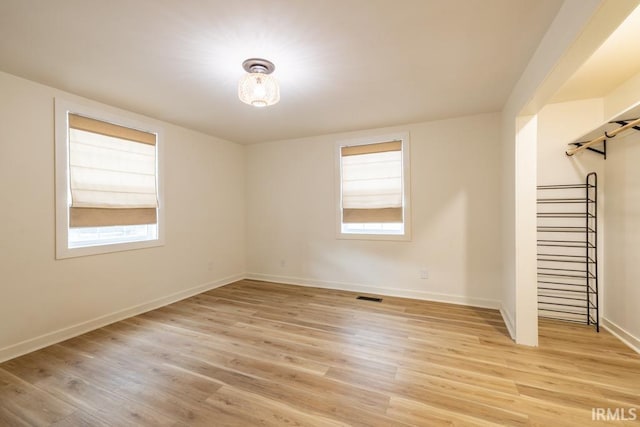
353, 287
54, 337
508, 321
626, 337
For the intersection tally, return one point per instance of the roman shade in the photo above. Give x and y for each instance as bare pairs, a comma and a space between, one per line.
372, 183
112, 174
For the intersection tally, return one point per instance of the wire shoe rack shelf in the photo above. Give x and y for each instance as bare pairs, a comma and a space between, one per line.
568, 252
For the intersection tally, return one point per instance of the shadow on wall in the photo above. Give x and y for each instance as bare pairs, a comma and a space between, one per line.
459, 195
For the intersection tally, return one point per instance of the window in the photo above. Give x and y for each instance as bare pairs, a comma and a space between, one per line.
107, 182
373, 184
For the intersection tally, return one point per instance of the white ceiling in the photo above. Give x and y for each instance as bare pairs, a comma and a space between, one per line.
342, 64
615, 61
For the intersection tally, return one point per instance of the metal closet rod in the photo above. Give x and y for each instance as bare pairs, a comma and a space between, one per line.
607, 135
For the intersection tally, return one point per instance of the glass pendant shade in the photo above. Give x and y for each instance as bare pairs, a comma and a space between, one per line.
258, 89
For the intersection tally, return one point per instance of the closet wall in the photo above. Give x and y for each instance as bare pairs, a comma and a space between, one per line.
622, 238
622, 222
559, 124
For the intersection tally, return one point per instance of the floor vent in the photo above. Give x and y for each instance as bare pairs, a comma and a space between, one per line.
370, 298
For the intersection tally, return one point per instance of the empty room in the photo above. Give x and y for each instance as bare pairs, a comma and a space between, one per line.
320, 213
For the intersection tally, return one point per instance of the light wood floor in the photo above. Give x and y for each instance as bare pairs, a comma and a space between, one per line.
254, 353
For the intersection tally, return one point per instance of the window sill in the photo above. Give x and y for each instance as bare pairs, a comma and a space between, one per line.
383, 237
62, 252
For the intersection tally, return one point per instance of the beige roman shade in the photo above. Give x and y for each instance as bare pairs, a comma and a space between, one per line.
112, 174
372, 183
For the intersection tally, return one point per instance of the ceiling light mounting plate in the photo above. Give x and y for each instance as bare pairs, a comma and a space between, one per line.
258, 65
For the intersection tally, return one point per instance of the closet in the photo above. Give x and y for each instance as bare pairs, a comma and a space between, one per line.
569, 215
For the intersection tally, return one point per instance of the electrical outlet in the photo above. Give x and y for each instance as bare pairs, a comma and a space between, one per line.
424, 273
283, 263
210, 266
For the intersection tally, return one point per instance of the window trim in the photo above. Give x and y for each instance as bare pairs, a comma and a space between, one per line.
406, 186
112, 115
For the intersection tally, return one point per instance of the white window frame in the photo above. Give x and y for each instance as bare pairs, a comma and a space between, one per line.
112, 115
406, 186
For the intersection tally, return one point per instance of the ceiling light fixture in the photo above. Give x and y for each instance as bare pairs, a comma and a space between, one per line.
258, 87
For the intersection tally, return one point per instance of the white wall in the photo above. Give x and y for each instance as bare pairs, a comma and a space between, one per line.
622, 98
621, 223
455, 181
525, 250
508, 216
43, 300
622, 239
560, 124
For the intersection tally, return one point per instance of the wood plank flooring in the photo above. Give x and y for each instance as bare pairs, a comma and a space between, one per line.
255, 353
